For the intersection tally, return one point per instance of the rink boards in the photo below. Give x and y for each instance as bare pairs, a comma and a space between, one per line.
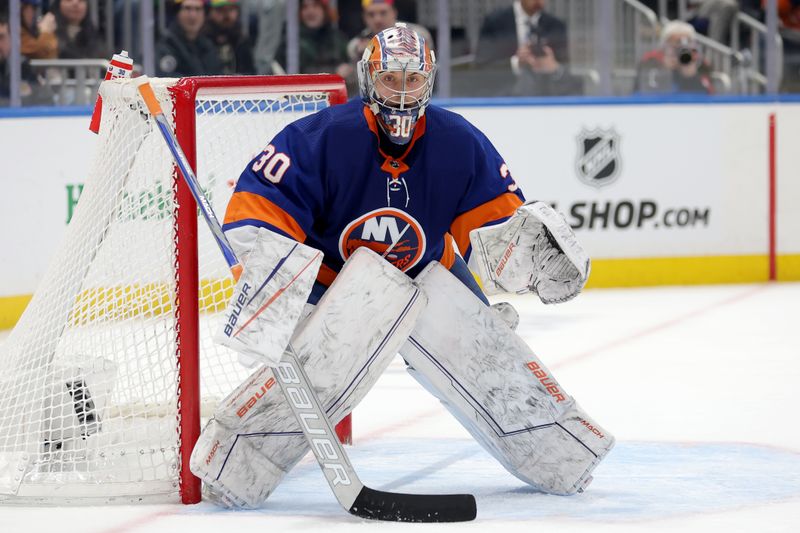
674, 193
659, 193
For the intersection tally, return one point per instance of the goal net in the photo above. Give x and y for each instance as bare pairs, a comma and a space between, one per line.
103, 380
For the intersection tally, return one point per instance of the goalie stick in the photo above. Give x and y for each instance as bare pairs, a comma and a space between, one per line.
351, 493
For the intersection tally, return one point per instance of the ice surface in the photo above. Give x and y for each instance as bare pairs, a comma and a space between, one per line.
699, 385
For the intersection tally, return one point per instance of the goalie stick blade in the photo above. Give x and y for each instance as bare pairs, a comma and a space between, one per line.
396, 507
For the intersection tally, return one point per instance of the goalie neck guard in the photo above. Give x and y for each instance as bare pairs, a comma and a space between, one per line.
395, 78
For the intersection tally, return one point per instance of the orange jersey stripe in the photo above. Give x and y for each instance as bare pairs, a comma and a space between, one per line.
449, 254
501, 207
247, 205
326, 275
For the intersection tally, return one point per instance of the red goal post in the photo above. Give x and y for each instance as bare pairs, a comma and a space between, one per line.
185, 94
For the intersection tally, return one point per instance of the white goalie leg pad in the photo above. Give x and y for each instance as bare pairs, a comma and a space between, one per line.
487, 377
533, 251
268, 298
345, 345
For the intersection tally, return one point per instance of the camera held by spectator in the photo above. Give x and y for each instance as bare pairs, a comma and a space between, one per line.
526, 42
680, 52
686, 52
676, 66
537, 55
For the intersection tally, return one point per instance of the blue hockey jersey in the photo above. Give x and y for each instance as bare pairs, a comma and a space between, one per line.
324, 181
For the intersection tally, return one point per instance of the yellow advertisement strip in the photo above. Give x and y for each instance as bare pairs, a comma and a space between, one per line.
11, 308
606, 273
120, 303
789, 267
684, 271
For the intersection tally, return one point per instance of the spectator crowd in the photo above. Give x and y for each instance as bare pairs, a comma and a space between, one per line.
522, 46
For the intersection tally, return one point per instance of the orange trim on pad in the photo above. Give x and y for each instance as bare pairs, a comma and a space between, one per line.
501, 207
247, 205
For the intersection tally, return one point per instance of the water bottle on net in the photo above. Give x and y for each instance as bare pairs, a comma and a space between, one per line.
121, 66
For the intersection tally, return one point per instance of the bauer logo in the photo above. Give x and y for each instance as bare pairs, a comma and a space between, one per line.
598, 160
252, 400
547, 382
236, 309
313, 425
389, 232
503, 260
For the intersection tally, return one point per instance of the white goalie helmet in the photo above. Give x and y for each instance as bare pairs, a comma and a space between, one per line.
395, 77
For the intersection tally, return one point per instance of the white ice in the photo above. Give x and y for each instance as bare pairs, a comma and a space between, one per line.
698, 384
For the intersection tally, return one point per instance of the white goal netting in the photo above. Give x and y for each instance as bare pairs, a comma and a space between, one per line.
89, 383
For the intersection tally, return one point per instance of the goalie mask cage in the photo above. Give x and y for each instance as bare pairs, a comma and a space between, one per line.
103, 380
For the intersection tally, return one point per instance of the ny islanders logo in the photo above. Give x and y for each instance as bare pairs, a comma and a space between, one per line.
390, 233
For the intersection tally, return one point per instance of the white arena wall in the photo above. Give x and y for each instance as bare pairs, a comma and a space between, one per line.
659, 193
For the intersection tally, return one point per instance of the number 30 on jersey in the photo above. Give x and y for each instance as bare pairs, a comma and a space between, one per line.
401, 125
274, 164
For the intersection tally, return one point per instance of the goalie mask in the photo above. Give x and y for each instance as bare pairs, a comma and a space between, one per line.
395, 78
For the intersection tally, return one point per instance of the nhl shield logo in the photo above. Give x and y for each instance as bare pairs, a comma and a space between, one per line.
598, 159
